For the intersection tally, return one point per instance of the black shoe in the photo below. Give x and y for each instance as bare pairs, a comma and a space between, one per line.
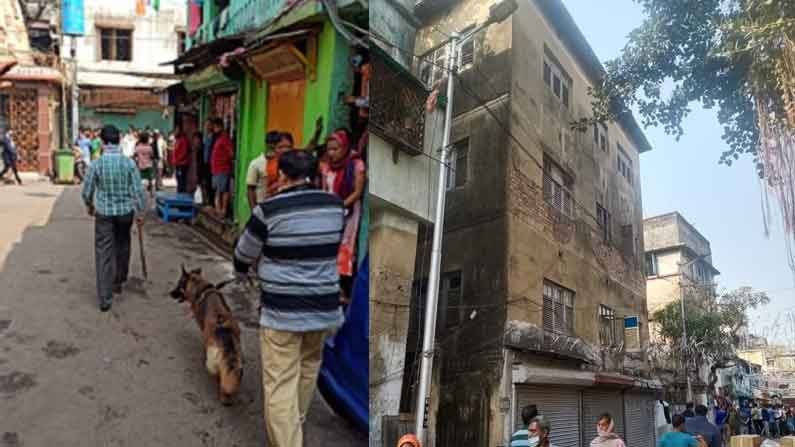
104, 307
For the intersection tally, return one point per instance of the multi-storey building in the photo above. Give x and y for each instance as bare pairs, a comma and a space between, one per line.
678, 263
401, 193
119, 62
542, 294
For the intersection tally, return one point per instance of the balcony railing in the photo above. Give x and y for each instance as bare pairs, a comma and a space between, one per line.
398, 100
238, 17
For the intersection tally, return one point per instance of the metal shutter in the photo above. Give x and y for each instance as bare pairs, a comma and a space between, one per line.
639, 418
596, 402
561, 406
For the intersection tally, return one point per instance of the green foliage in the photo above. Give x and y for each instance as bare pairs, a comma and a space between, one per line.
719, 53
711, 327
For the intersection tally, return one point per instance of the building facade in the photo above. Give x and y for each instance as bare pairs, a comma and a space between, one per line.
542, 294
678, 265
30, 88
265, 65
401, 199
119, 72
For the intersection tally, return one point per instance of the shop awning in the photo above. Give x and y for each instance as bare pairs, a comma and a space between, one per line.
28, 73
207, 54
106, 79
277, 58
207, 78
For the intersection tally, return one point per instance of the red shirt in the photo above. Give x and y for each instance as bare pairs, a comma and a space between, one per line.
181, 156
221, 157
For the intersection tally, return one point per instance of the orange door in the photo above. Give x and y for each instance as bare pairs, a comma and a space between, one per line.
286, 108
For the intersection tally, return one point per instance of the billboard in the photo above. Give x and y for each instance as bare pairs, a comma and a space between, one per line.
73, 17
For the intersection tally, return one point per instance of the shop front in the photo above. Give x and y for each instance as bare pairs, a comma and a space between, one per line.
28, 99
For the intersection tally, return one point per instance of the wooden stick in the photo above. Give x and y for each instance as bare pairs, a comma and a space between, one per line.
141, 246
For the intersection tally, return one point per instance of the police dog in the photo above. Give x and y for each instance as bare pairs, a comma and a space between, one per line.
219, 329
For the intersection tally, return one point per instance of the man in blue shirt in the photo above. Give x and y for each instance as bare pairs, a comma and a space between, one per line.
677, 437
699, 425
112, 193
9, 150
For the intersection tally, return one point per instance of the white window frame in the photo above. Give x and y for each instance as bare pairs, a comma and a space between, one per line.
555, 193
607, 326
655, 265
434, 60
558, 304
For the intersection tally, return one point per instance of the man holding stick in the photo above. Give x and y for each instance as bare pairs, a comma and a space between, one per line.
112, 193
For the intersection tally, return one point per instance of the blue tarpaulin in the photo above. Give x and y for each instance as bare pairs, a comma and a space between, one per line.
344, 375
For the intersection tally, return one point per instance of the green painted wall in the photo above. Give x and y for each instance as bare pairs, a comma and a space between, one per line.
333, 76
140, 120
250, 140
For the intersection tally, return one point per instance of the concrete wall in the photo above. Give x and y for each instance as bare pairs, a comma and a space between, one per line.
393, 20
393, 242
540, 246
669, 230
407, 184
154, 36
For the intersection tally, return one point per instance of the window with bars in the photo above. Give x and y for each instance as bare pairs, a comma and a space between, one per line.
600, 136
603, 219
451, 291
433, 65
558, 309
457, 171
555, 193
115, 44
556, 78
652, 269
624, 164
607, 326
466, 52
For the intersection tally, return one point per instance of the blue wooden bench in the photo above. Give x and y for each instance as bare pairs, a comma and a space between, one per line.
172, 206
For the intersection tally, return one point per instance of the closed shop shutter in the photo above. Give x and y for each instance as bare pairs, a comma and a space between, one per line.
639, 418
559, 405
595, 402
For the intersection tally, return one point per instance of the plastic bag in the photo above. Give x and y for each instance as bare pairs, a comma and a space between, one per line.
198, 199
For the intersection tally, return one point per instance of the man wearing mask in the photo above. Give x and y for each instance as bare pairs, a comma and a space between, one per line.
538, 432
520, 438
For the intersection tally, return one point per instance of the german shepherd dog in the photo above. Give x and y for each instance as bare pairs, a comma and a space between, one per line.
220, 331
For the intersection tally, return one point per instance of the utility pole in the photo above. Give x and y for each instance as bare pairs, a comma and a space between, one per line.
64, 131
497, 13
75, 94
423, 396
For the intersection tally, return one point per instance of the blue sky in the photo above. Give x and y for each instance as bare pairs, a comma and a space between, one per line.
722, 202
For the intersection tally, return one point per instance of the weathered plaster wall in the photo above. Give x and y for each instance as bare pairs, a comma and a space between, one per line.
393, 242
154, 34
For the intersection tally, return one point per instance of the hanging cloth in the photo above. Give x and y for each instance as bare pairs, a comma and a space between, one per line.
140, 7
156, 5
194, 18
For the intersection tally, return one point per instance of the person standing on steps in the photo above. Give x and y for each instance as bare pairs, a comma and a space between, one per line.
112, 193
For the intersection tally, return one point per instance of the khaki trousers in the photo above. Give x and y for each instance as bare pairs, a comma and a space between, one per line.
290, 366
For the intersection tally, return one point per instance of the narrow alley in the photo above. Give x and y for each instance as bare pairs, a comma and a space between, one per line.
135, 376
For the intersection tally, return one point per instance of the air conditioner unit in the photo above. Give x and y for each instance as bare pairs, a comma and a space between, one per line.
632, 333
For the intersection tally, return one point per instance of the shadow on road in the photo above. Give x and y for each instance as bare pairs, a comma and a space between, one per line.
72, 376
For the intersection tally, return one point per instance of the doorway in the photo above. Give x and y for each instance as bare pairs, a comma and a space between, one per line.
286, 108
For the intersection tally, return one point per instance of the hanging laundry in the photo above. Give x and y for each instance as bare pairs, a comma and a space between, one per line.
140, 7
156, 5
194, 18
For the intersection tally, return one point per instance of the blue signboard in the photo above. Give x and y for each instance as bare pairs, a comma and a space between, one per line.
73, 17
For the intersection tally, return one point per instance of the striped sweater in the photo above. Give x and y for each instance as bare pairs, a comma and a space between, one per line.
298, 233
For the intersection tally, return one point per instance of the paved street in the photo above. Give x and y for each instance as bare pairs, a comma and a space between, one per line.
72, 376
